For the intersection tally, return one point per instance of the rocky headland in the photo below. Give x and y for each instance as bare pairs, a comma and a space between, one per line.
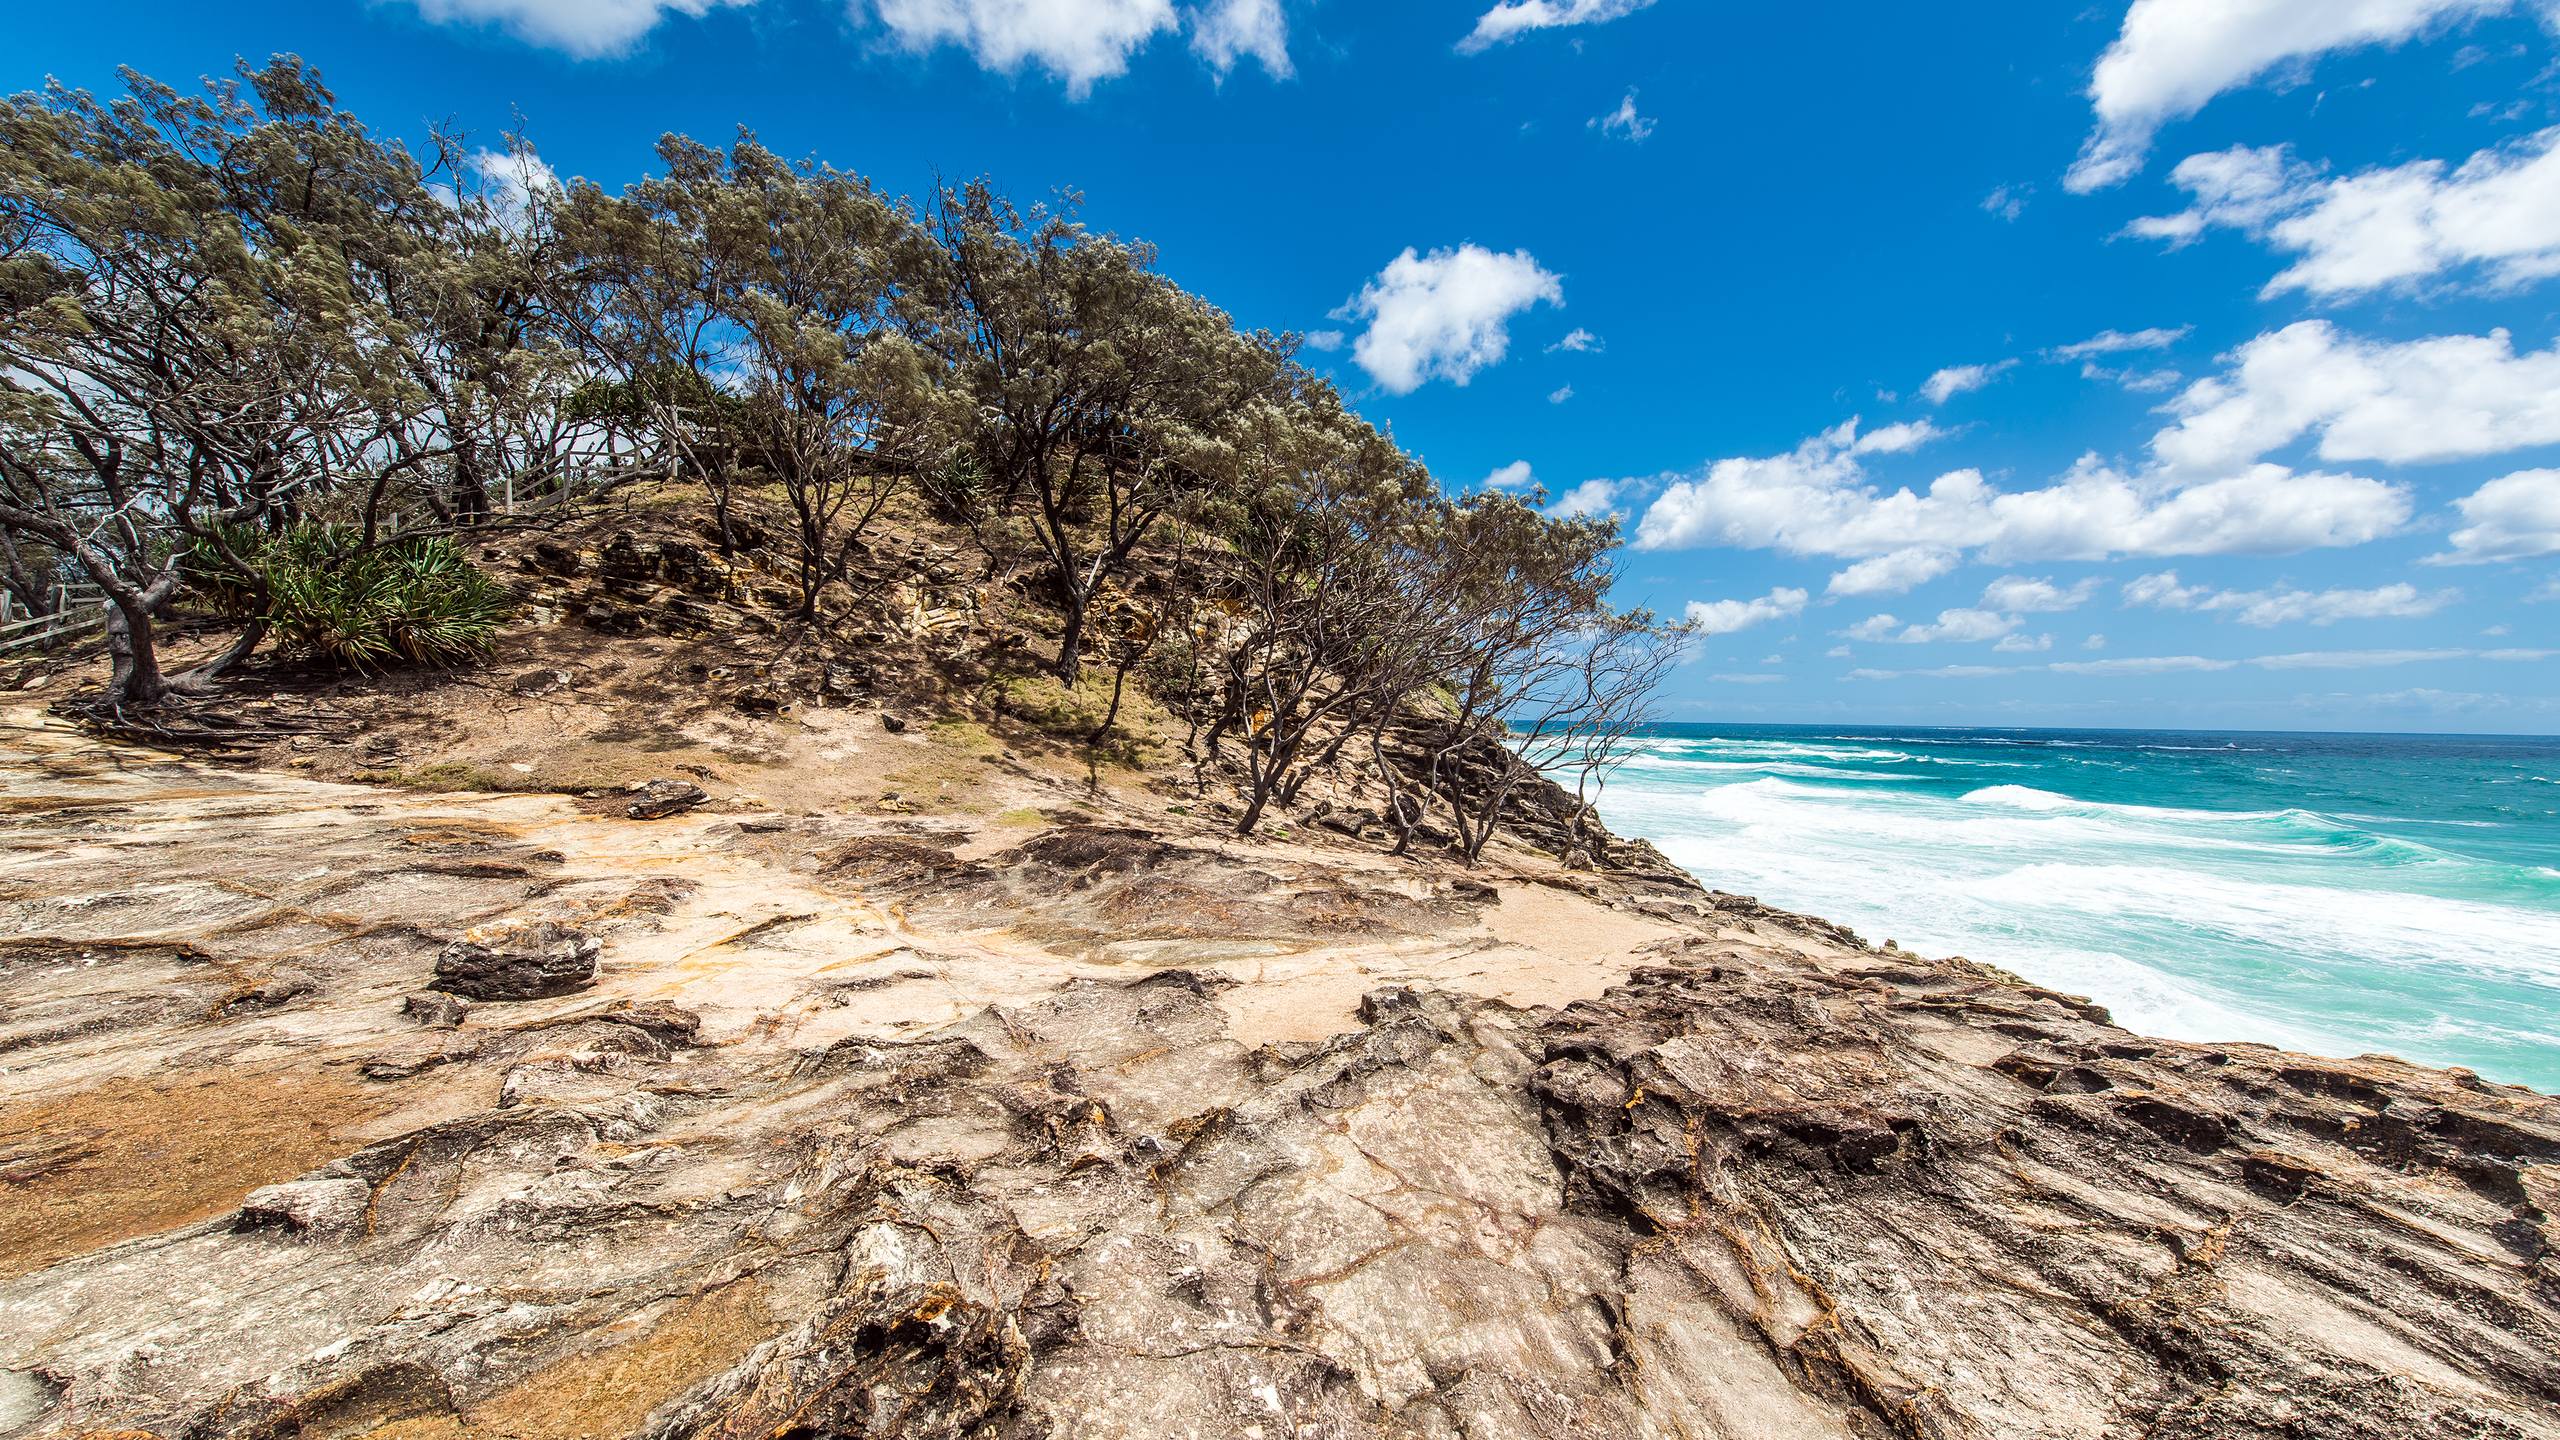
336, 1110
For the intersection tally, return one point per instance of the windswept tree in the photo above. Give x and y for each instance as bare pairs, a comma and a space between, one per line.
1327, 603
174, 347
785, 289
1083, 397
1536, 667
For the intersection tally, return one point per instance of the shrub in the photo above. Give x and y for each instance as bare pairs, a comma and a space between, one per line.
405, 601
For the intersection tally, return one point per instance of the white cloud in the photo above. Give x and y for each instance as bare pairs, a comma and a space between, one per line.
2174, 56
513, 182
1445, 315
2436, 399
2383, 228
1893, 573
1227, 31
1591, 497
2139, 665
1512, 19
1723, 617
1325, 340
2024, 644
2094, 642
1078, 41
1625, 121
2007, 202
2020, 595
2513, 517
2377, 659
1748, 677
2166, 664
1816, 501
1514, 476
2140, 382
1960, 627
587, 29
2548, 590
1560, 394
2118, 342
1578, 341
1897, 439
2286, 605
1955, 380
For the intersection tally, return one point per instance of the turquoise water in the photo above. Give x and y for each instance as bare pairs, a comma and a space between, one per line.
2342, 894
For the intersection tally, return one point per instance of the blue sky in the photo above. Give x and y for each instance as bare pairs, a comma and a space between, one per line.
2240, 313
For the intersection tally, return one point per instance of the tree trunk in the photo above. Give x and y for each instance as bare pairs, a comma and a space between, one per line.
1070, 666
136, 677
198, 679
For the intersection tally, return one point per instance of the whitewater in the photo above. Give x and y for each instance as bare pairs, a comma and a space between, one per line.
2341, 894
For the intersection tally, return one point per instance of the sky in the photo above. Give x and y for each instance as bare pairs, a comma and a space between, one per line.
2180, 363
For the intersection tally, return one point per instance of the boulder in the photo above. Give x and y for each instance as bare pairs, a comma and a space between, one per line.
659, 799
435, 1011
535, 964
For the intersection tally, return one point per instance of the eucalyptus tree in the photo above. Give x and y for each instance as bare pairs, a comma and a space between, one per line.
174, 344
810, 271
1527, 647
1083, 398
1327, 604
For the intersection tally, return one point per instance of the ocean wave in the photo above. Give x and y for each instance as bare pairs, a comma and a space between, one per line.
1811, 772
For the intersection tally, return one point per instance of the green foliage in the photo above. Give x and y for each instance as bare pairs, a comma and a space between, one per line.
404, 602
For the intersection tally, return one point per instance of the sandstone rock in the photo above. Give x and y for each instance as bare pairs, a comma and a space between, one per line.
318, 1208
659, 799
434, 1010
545, 961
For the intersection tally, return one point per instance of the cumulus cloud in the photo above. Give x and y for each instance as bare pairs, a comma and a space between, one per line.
1960, 627
2007, 202
2022, 595
2498, 214
1512, 19
1078, 41
1625, 122
1228, 31
1723, 617
587, 29
1445, 315
1591, 497
1893, 573
2024, 644
1816, 500
1081, 42
2287, 605
514, 183
2172, 57
1577, 341
2443, 398
1560, 394
2514, 517
1325, 340
1896, 439
1515, 476
2118, 342
1945, 385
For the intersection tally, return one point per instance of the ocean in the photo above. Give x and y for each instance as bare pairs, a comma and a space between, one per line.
2340, 894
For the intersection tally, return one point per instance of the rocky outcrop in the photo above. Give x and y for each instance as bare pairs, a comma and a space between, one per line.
528, 964
1765, 1181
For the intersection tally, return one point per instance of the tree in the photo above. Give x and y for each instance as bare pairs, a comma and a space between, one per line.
1080, 394
1328, 602
167, 353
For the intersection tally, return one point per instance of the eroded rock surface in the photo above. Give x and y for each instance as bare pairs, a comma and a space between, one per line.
930, 1133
